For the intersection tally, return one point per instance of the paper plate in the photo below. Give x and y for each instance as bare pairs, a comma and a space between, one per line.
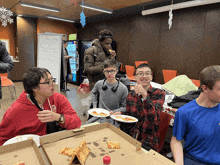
98, 110
124, 116
20, 138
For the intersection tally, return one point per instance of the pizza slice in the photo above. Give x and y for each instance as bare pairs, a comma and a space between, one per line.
20, 163
81, 153
102, 114
94, 113
72, 158
113, 144
67, 151
118, 117
128, 119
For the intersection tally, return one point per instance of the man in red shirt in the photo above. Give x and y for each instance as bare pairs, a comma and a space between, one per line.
145, 103
37, 106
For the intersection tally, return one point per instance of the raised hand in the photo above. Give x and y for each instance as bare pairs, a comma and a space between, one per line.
48, 116
138, 88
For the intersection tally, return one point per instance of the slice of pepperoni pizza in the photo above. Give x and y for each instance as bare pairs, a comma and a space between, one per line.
94, 113
128, 119
20, 163
81, 153
67, 151
102, 114
113, 144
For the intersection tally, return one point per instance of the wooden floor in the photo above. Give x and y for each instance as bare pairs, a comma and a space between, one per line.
72, 95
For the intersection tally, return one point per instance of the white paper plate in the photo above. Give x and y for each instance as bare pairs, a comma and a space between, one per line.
98, 110
20, 138
118, 119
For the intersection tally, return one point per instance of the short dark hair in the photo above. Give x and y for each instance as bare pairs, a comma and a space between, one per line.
110, 63
143, 65
65, 41
209, 76
105, 34
32, 78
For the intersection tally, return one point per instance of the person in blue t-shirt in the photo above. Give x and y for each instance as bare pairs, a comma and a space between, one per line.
198, 123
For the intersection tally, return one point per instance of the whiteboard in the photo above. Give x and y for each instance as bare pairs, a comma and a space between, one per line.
49, 53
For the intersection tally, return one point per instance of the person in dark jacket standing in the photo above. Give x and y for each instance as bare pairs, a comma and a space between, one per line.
6, 63
65, 68
95, 56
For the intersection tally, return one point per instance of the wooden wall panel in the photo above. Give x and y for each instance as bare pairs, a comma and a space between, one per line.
8, 32
210, 49
192, 43
27, 46
54, 26
213, 17
121, 36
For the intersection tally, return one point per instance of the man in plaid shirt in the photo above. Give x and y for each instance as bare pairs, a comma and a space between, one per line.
145, 103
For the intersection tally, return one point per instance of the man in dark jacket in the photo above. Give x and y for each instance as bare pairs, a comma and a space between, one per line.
6, 63
96, 55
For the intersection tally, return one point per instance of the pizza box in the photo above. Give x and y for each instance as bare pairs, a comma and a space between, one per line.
26, 151
96, 137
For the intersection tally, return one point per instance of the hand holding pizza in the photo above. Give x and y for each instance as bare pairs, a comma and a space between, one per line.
113, 54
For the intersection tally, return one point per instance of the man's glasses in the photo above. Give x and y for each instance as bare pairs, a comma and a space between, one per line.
142, 74
109, 71
50, 82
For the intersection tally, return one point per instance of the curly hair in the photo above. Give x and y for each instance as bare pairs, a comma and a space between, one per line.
105, 34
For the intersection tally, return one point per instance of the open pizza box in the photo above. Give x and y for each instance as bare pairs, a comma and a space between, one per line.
26, 151
96, 137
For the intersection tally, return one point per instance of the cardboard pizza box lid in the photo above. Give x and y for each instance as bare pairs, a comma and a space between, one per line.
96, 137
26, 151
159, 158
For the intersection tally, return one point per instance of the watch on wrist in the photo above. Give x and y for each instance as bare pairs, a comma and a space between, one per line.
61, 118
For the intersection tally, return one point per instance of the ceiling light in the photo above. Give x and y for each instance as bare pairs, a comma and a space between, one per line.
20, 15
109, 11
58, 18
179, 6
39, 7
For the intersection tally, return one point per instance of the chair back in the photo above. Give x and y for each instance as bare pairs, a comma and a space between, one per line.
4, 74
163, 128
129, 70
122, 68
196, 82
137, 63
6, 81
169, 75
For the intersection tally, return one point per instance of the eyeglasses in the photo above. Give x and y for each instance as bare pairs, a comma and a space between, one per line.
50, 82
142, 74
109, 71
